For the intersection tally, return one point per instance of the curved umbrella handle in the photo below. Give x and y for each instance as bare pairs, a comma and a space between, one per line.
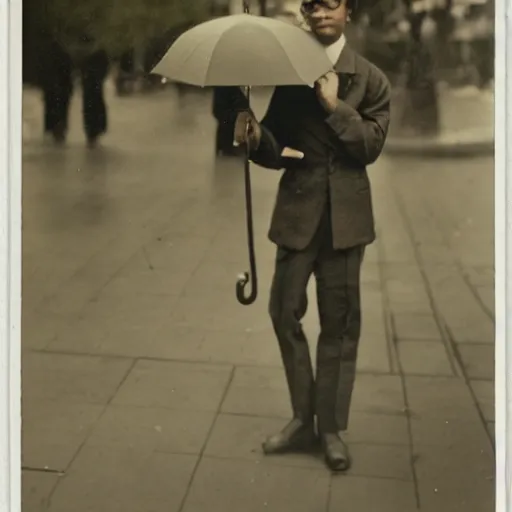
244, 279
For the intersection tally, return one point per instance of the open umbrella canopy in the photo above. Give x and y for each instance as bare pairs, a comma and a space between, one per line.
244, 50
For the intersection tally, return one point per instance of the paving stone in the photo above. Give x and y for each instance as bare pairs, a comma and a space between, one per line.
197, 220
435, 253
371, 494
448, 432
371, 254
407, 297
39, 328
240, 437
36, 488
81, 336
461, 311
404, 304
478, 360
487, 296
72, 379
455, 479
370, 273
373, 354
403, 285
380, 461
404, 273
427, 236
226, 253
121, 339
181, 254
212, 309
103, 480
416, 327
448, 498
443, 398
44, 282
377, 429
151, 429
187, 343
424, 358
395, 241
481, 276
491, 429
378, 394
115, 325
172, 385
77, 291
221, 485
131, 310
258, 392
138, 279
52, 432
397, 249
484, 392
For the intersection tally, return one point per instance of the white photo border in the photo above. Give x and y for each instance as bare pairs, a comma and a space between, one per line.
503, 249
10, 253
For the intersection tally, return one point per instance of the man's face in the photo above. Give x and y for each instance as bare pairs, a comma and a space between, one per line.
326, 18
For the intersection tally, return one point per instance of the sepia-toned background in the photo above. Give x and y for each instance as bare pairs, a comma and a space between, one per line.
146, 386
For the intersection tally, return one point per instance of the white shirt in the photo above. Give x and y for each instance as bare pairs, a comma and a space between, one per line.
334, 50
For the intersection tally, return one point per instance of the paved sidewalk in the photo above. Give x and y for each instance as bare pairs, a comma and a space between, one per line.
147, 387
466, 126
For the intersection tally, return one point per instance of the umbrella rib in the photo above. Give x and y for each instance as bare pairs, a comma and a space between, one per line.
196, 47
284, 49
235, 26
216, 48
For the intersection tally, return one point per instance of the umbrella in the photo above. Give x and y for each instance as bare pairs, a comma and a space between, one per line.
245, 50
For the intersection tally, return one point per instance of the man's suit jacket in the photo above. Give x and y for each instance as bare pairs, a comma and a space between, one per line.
337, 149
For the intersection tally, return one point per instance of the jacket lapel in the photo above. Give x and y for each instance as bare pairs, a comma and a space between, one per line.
346, 69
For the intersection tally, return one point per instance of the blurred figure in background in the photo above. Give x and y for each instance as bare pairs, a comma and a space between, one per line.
57, 84
227, 101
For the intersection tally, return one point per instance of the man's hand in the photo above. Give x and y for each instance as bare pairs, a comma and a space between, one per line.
327, 91
247, 130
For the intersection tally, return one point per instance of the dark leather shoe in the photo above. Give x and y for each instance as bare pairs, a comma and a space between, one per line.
336, 452
296, 436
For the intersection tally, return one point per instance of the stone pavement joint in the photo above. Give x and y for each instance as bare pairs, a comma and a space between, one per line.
470, 362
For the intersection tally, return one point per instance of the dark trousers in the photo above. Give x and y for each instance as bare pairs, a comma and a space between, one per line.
94, 70
226, 102
58, 89
337, 274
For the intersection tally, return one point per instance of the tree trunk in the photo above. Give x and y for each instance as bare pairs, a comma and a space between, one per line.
419, 114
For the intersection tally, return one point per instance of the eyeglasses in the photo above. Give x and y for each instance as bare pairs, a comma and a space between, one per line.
308, 6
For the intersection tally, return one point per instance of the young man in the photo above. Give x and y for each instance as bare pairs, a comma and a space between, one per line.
322, 221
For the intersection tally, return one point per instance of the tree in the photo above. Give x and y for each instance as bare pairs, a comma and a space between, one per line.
419, 55
118, 25
420, 108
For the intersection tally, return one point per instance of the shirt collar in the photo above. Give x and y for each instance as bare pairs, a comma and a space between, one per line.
334, 50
